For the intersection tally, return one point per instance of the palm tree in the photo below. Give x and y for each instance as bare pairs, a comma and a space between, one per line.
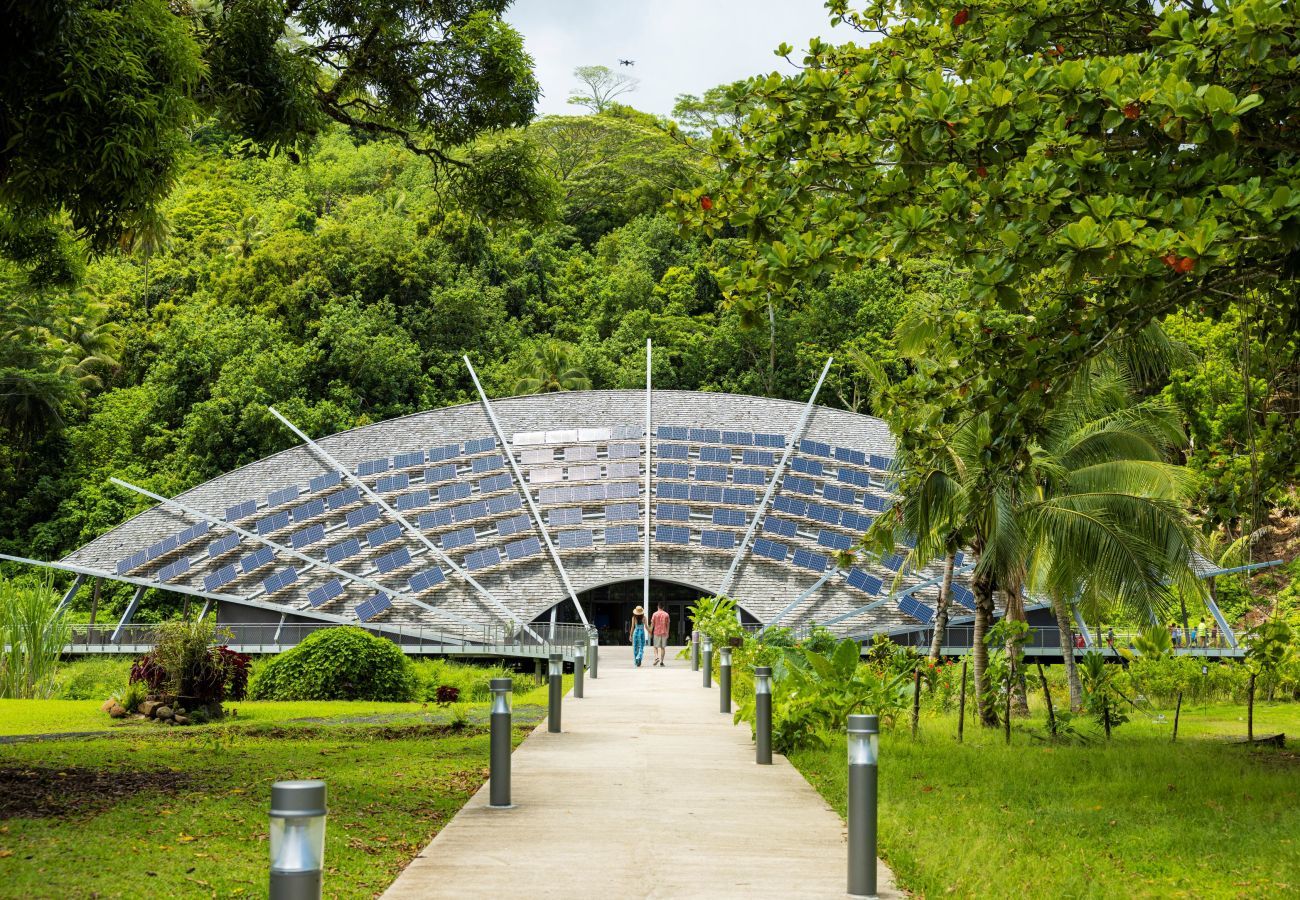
244, 237
551, 367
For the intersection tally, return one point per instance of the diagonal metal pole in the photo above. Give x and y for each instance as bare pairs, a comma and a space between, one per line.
523, 489
776, 477
288, 551
645, 576
776, 619
420, 536
72, 592
128, 615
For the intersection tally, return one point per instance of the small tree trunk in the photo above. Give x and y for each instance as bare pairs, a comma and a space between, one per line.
1178, 710
94, 600
1011, 677
941, 616
1047, 696
1015, 612
961, 704
1105, 714
980, 652
1065, 629
1250, 709
916, 700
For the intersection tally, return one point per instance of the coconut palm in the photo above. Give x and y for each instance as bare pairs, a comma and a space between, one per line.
549, 368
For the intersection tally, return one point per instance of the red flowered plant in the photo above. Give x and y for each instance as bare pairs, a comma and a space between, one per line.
447, 693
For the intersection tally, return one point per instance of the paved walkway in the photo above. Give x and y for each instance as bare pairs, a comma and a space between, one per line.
649, 792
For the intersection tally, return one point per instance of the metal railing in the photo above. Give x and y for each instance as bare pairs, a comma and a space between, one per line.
1046, 639
271, 637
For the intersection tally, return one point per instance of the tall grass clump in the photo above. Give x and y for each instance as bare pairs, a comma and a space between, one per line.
470, 681
32, 636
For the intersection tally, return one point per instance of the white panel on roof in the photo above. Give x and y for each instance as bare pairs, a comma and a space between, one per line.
524, 438
545, 474
593, 434
569, 436
533, 457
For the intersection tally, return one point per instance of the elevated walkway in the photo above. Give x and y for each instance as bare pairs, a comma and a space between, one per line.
649, 791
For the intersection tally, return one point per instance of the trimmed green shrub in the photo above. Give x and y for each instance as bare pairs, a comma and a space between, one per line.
337, 664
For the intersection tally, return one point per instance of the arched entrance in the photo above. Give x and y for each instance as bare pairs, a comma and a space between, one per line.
609, 608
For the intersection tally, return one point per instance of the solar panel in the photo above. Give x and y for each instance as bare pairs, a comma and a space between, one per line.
705, 435
395, 560
194, 531
514, 525
908, 541
595, 434
283, 496
256, 560
806, 466
437, 518
822, 513
834, 539
319, 596
368, 609
710, 473
855, 521
494, 483
783, 527
624, 490
312, 534
672, 470
223, 544
957, 559
385, 534
481, 559
345, 497
409, 460
800, 485
462, 537
963, 595
273, 522
309, 510
554, 495
758, 458
622, 512
807, 559
733, 517
738, 438
175, 570
486, 463
910, 606
435, 474
789, 505
851, 476
504, 504
739, 496
769, 440
623, 469
482, 445
667, 490
222, 576
816, 448
864, 582
363, 516
422, 581
624, 451
672, 512
770, 549
883, 463
134, 561
241, 510
399, 482
672, 433
571, 515
621, 534
545, 475
451, 492
749, 476
467, 511
715, 454
445, 452
718, 540
523, 549
585, 453
322, 482
374, 466
342, 550
672, 534
892, 561
871, 501
413, 500
575, 539
583, 473
625, 432
856, 457
847, 496
280, 580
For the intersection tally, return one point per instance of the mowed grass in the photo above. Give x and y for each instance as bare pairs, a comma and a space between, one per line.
392, 785
1140, 817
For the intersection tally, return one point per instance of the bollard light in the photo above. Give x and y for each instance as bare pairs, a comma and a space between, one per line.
695, 651
593, 656
864, 751
708, 661
297, 839
499, 753
556, 670
763, 715
579, 660
724, 680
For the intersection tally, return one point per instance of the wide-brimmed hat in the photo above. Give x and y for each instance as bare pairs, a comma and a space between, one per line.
639, 611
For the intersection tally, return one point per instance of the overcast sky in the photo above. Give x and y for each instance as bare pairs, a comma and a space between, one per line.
680, 46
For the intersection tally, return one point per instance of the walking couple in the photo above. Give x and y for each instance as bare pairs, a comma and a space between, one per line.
658, 634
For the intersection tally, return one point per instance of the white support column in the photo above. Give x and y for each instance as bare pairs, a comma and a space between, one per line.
414, 532
295, 554
1083, 627
645, 577
72, 592
508, 452
128, 615
776, 477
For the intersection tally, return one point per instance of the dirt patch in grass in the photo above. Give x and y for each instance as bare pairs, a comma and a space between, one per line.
35, 792
375, 733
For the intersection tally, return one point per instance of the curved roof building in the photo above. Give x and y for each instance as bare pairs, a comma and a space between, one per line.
450, 519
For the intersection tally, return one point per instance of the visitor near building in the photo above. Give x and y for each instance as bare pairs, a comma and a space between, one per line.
659, 634
637, 634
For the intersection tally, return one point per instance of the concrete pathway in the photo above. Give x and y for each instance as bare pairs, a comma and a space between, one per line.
649, 792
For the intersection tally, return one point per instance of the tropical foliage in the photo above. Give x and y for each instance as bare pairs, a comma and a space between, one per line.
32, 635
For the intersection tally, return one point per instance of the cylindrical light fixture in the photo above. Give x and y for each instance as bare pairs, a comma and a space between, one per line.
724, 680
499, 755
695, 651
297, 839
763, 715
556, 687
708, 661
864, 751
579, 663
593, 655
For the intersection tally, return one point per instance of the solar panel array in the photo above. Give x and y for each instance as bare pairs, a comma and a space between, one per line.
909, 605
376, 605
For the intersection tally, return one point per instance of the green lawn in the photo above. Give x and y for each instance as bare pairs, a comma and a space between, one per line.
148, 810
1139, 818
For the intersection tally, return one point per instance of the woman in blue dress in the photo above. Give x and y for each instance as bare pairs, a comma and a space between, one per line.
637, 634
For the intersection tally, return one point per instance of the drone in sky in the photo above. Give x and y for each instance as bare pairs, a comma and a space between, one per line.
627, 62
